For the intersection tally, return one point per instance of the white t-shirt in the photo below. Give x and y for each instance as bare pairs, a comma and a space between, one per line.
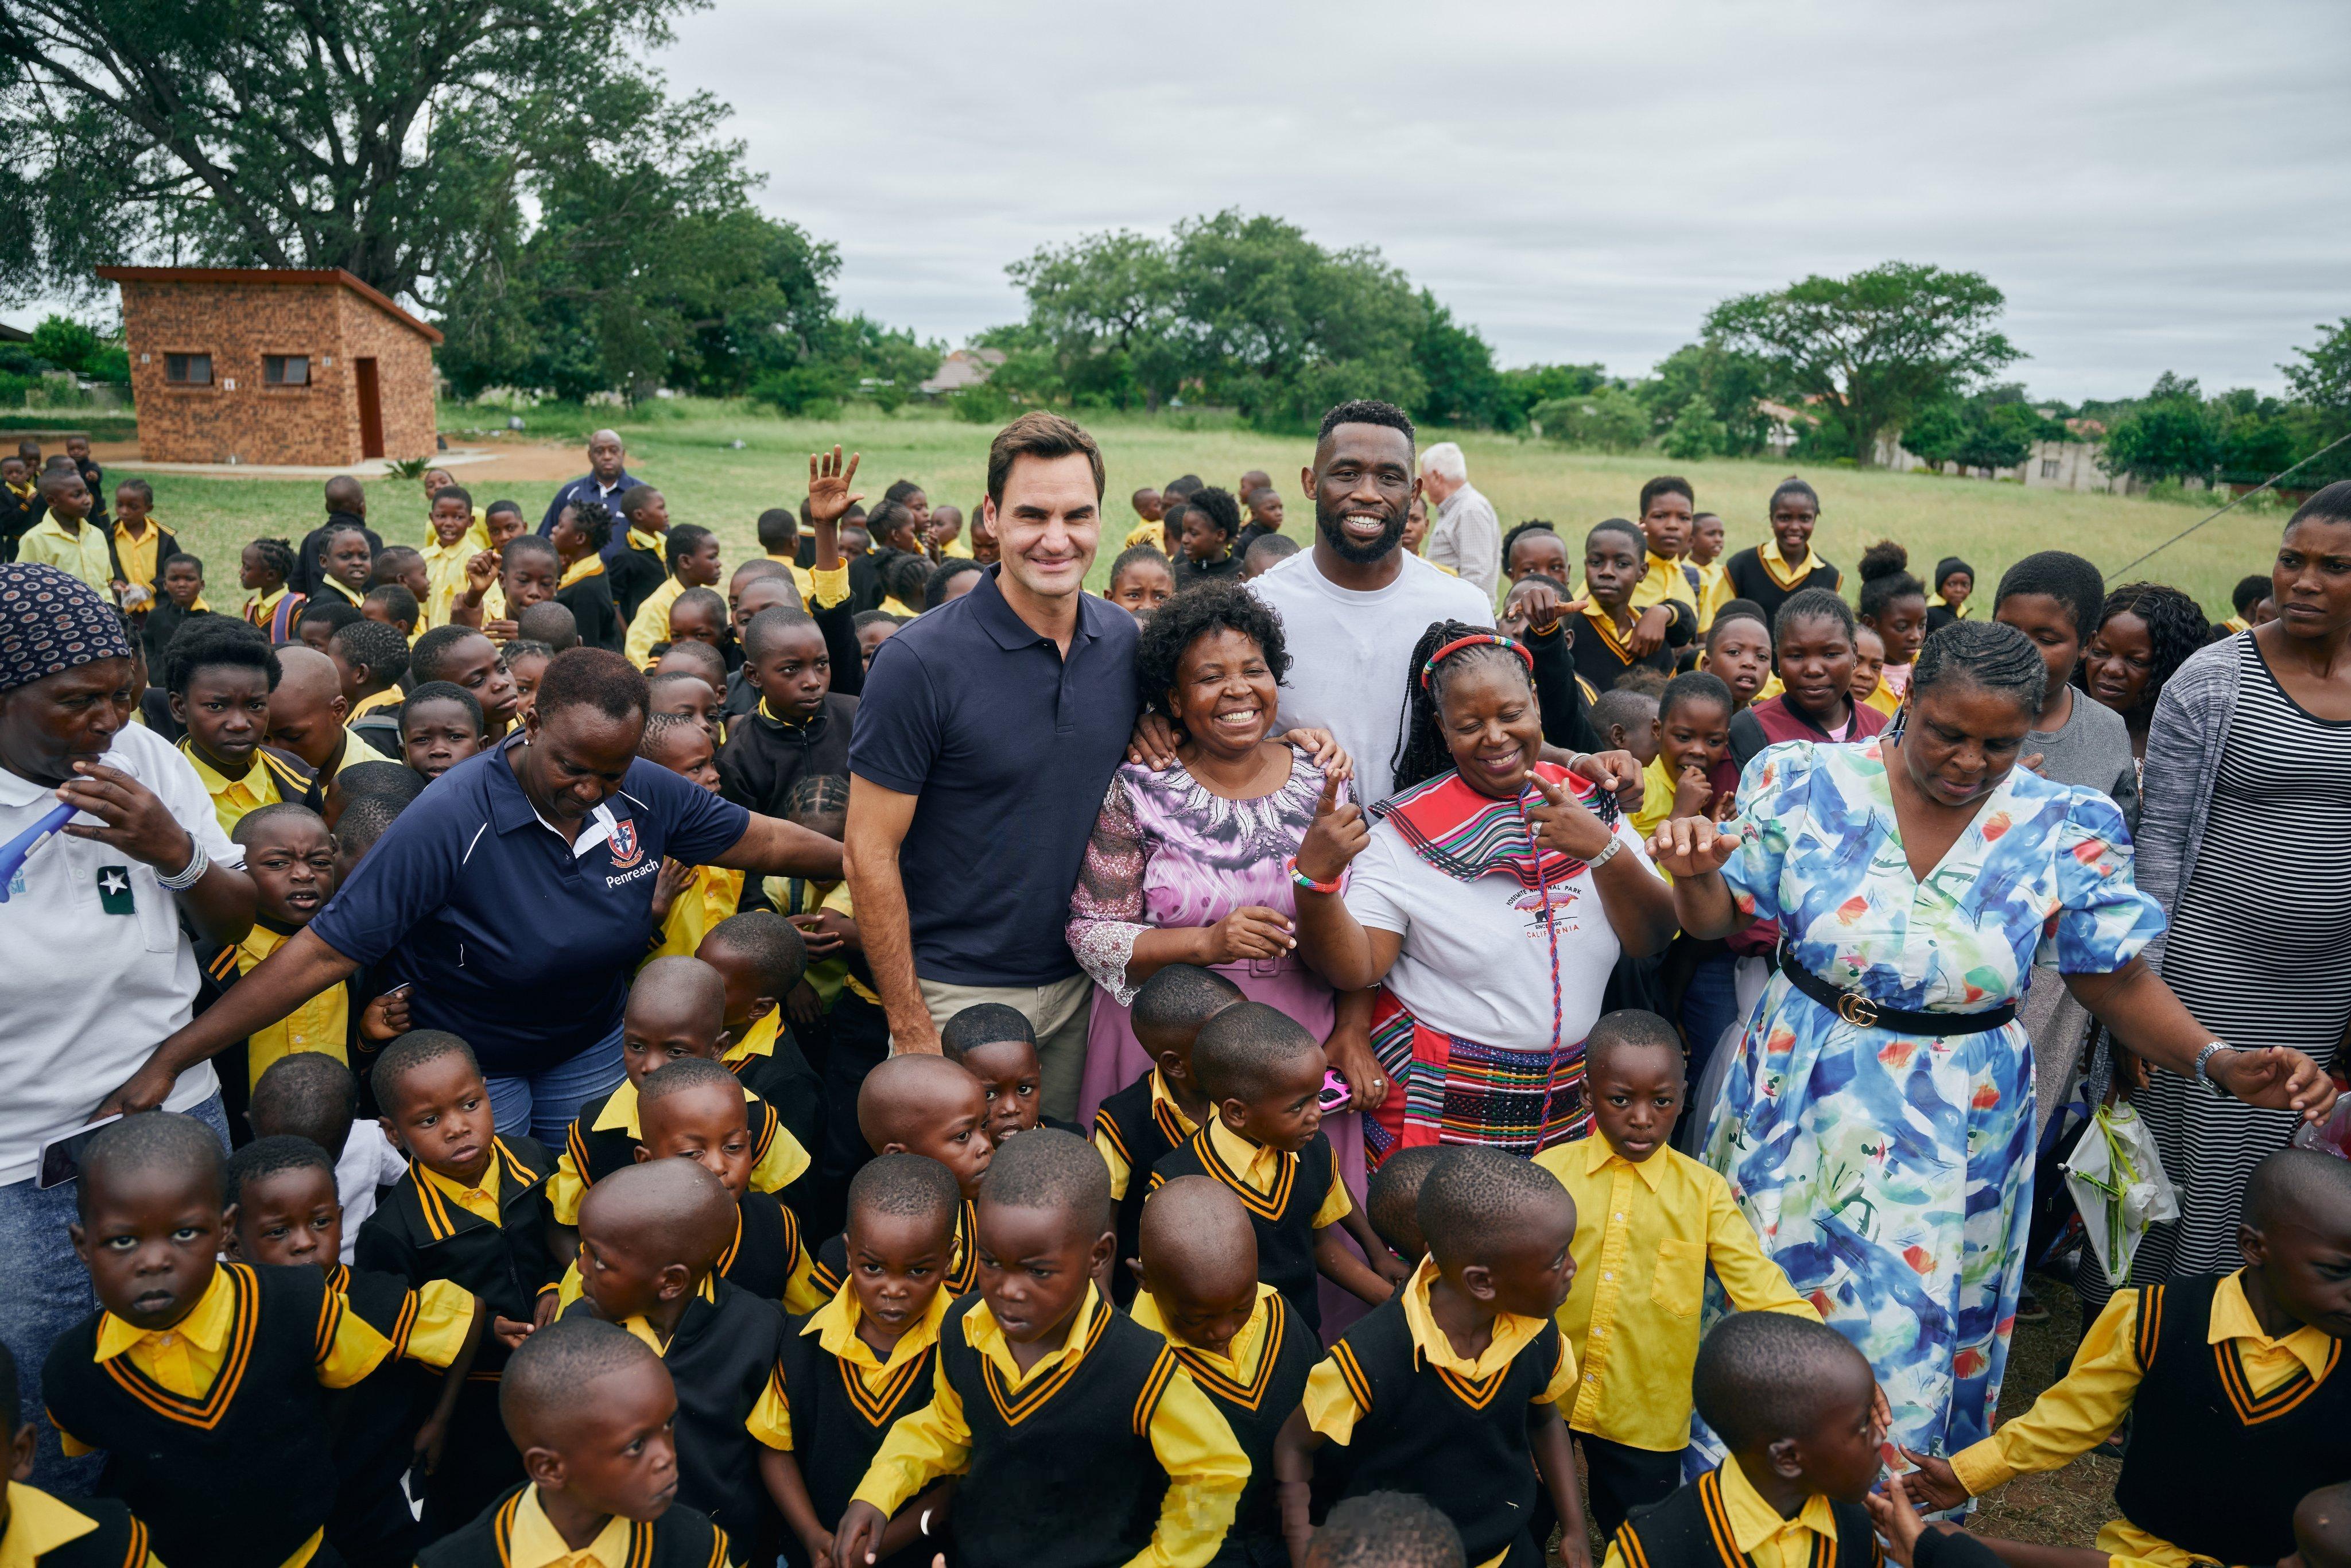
1475, 960
368, 1161
87, 995
1348, 653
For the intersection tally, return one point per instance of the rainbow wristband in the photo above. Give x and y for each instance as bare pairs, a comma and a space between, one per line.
1308, 883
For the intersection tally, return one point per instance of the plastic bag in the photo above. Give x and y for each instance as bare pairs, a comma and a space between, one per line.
2117, 1182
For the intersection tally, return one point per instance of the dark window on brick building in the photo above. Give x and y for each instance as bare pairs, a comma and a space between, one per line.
188, 370
286, 369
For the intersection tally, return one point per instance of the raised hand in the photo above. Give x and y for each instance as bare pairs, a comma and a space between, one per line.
829, 495
481, 570
1336, 836
1562, 824
1692, 846
1249, 932
1618, 772
1324, 750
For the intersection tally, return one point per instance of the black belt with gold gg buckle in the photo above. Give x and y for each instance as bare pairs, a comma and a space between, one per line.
1863, 1013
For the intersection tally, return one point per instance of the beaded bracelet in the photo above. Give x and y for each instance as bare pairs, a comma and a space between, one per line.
1308, 883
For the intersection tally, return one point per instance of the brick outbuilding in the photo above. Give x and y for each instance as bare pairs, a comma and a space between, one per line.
273, 365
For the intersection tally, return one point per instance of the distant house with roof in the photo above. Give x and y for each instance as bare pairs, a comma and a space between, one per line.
963, 367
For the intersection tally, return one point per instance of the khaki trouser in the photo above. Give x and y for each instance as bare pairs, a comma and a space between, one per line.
1059, 1013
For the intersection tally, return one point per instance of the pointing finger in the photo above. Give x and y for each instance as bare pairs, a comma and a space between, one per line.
1328, 802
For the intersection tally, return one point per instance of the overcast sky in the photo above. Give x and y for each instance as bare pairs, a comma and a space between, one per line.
2156, 187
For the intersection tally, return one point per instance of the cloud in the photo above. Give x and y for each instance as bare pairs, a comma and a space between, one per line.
2155, 185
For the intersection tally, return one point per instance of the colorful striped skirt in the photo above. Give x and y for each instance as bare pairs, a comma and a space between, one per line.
1449, 1089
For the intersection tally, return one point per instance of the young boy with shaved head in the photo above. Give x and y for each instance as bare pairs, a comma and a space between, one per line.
1447, 1389
1248, 1351
650, 1241
591, 1406
1082, 1440
922, 1104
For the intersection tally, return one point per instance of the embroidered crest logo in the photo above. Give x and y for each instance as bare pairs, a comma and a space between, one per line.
626, 851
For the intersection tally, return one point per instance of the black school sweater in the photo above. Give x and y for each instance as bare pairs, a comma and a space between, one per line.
765, 756
246, 1473
1283, 1219
590, 600
1692, 1529
721, 1358
418, 1234
680, 1538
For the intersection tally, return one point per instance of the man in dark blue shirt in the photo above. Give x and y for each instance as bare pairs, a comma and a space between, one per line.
606, 477
986, 737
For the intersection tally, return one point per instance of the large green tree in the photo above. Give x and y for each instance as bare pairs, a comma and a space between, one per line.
1103, 309
381, 136
1873, 347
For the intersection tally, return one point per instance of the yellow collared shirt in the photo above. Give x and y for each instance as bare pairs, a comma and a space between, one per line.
1714, 591
2078, 1412
136, 552
38, 1524
481, 1202
1207, 1471
1239, 1359
1657, 805
835, 1326
826, 589
1662, 581
782, 1165
1644, 1234
1330, 1405
391, 697
1882, 699
716, 892
1120, 1173
651, 622
258, 610
444, 567
352, 596
321, 1024
1260, 1165
535, 1543
1757, 1528
1781, 570
444, 1315
1151, 534
841, 902
233, 799
82, 553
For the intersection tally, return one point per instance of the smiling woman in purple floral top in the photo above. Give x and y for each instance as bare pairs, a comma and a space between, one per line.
1191, 865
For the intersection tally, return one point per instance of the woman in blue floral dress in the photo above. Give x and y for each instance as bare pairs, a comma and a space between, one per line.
1877, 1125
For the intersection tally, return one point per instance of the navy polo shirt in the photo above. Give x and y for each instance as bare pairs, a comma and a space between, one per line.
516, 944
584, 489
1011, 748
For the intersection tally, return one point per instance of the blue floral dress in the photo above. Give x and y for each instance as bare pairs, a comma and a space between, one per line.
1891, 1176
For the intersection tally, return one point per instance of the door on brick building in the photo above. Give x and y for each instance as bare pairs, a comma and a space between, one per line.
371, 410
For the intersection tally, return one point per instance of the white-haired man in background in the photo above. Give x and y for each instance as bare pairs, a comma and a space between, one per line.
1464, 535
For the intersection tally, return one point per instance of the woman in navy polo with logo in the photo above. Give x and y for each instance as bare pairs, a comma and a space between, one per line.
514, 900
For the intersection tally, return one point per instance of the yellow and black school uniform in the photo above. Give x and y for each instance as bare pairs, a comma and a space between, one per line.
765, 1257
1254, 1385
515, 1533
1103, 1449
649, 623
603, 1138
1288, 1199
1404, 1412
276, 613
730, 1405
375, 1419
636, 572
1135, 1129
491, 1239
1601, 652
717, 893
272, 776
843, 1396
1770, 578
1714, 591
322, 1024
1720, 1521
2229, 1428
1664, 578
1648, 1232
138, 557
445, 574
21, 507
831, 1271
585, 588
219, 1417
335, 585
45, 1532
772, 1066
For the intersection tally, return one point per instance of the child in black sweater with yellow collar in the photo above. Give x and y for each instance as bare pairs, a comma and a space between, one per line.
43, 1531
1448, 1388
201, 1380
592, 1410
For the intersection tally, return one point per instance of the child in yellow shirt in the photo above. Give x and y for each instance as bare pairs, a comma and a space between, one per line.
1654, 1220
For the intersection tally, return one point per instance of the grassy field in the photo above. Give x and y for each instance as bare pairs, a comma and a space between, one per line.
691, 452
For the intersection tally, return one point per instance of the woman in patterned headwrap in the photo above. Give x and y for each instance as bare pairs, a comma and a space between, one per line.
99, 965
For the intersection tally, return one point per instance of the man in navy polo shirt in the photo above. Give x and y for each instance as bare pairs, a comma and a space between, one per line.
513, 899
607, 476
986, 735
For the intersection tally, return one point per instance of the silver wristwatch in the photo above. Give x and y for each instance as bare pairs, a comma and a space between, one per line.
1605, 856
2204, 1066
